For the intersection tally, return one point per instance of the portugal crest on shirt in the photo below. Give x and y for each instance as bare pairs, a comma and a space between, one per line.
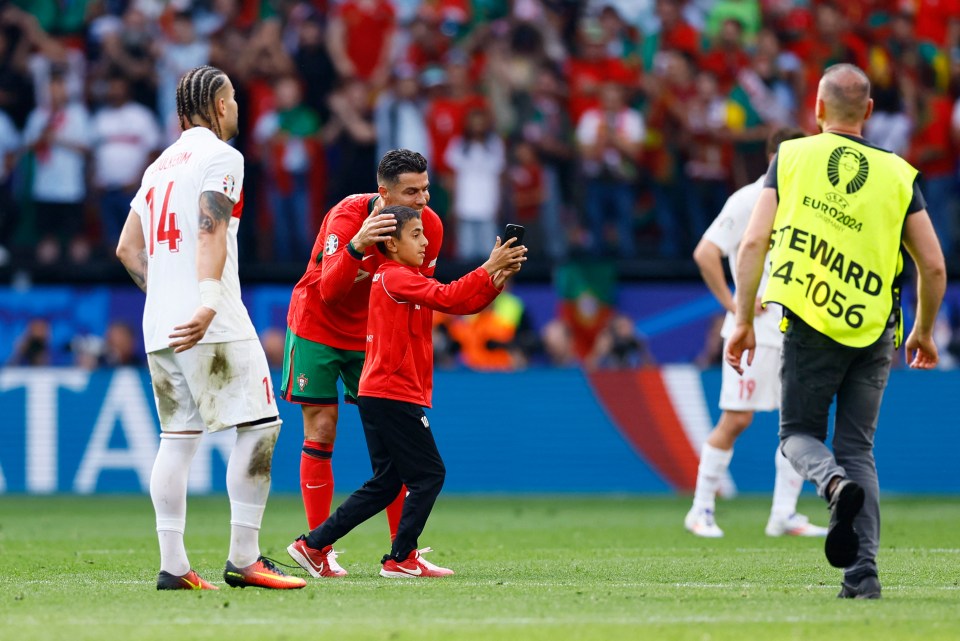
302, 381
331, 245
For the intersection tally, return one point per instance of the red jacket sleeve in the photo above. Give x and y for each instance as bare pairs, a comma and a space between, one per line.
467, 295
338, 269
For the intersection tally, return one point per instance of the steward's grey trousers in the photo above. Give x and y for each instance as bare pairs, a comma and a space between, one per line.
813, 370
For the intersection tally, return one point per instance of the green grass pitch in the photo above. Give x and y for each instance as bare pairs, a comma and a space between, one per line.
528, 568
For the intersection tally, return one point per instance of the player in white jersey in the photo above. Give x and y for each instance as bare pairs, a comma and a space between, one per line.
758, 389
209, 372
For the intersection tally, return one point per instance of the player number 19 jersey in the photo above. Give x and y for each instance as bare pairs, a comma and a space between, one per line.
168, 204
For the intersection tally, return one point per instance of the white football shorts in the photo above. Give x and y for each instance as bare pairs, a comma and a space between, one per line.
758, 389
212, 386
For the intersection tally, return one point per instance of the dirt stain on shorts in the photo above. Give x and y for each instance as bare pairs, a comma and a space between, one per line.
220, 369
262, 458
167, 404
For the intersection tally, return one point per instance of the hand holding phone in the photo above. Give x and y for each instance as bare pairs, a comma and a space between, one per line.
513, 231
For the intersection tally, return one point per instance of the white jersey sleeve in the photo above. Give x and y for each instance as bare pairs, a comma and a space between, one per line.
223, 173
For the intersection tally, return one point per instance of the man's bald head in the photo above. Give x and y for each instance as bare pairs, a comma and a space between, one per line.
845, 92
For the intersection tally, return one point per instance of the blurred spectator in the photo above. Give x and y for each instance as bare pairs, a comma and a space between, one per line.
352, 138
87, 351
760, 102
478, 161
445, 349
360, 39
16, 89
499, 338
670, 89
125, 137
558, 344
33, 347
931, 153
674, 33
711, 354
180, 51
274, 346
126, 49
400, 116
587, 290
58, 136
9, 149
289, 137
546, 126
610, 140
314, 64
62, 18
447, 110
744, 13
727, 57
709, 153
890, 126
620, 346
592, 68
526, 195
121, 347
622, 40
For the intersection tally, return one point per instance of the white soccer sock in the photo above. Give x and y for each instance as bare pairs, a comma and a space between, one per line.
168, 490
713, 464
786, 488
248, 485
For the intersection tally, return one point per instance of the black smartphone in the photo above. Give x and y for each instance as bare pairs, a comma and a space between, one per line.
513, 231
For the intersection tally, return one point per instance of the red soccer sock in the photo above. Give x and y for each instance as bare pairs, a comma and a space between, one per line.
316, 481
395, 511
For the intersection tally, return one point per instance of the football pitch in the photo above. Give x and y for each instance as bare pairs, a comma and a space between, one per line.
551, 568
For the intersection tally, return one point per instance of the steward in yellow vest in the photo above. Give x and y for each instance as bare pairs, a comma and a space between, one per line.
835, 249
833, 215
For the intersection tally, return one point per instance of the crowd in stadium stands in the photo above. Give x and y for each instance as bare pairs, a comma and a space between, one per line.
609, 127
613, 128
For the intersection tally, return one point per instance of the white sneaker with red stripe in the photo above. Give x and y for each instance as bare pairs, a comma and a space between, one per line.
430, 566
412, 567
700, 522
793, 525
319, 563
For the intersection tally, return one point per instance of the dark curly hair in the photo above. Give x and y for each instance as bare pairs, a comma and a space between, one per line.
399, 161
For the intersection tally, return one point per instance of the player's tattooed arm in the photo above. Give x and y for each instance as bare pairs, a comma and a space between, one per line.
132, 251
215, 210
138, 270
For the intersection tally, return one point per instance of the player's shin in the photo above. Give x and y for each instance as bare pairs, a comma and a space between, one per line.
316, 481
248, 485
168, 491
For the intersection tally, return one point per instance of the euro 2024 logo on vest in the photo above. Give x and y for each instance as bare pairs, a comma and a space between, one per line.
847, 169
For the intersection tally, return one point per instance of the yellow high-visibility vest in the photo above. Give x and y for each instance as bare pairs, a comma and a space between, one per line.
835, 248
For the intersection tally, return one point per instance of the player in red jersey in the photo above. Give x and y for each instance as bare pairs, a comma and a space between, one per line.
327, 320
396, 385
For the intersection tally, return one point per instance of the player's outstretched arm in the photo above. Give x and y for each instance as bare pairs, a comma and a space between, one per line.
921, 242
215, 212
132, 250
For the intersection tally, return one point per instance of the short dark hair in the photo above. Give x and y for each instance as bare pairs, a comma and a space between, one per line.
783, 134
402, 215
399, 161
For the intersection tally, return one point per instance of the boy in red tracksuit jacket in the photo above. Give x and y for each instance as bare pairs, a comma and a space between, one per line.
395, 386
